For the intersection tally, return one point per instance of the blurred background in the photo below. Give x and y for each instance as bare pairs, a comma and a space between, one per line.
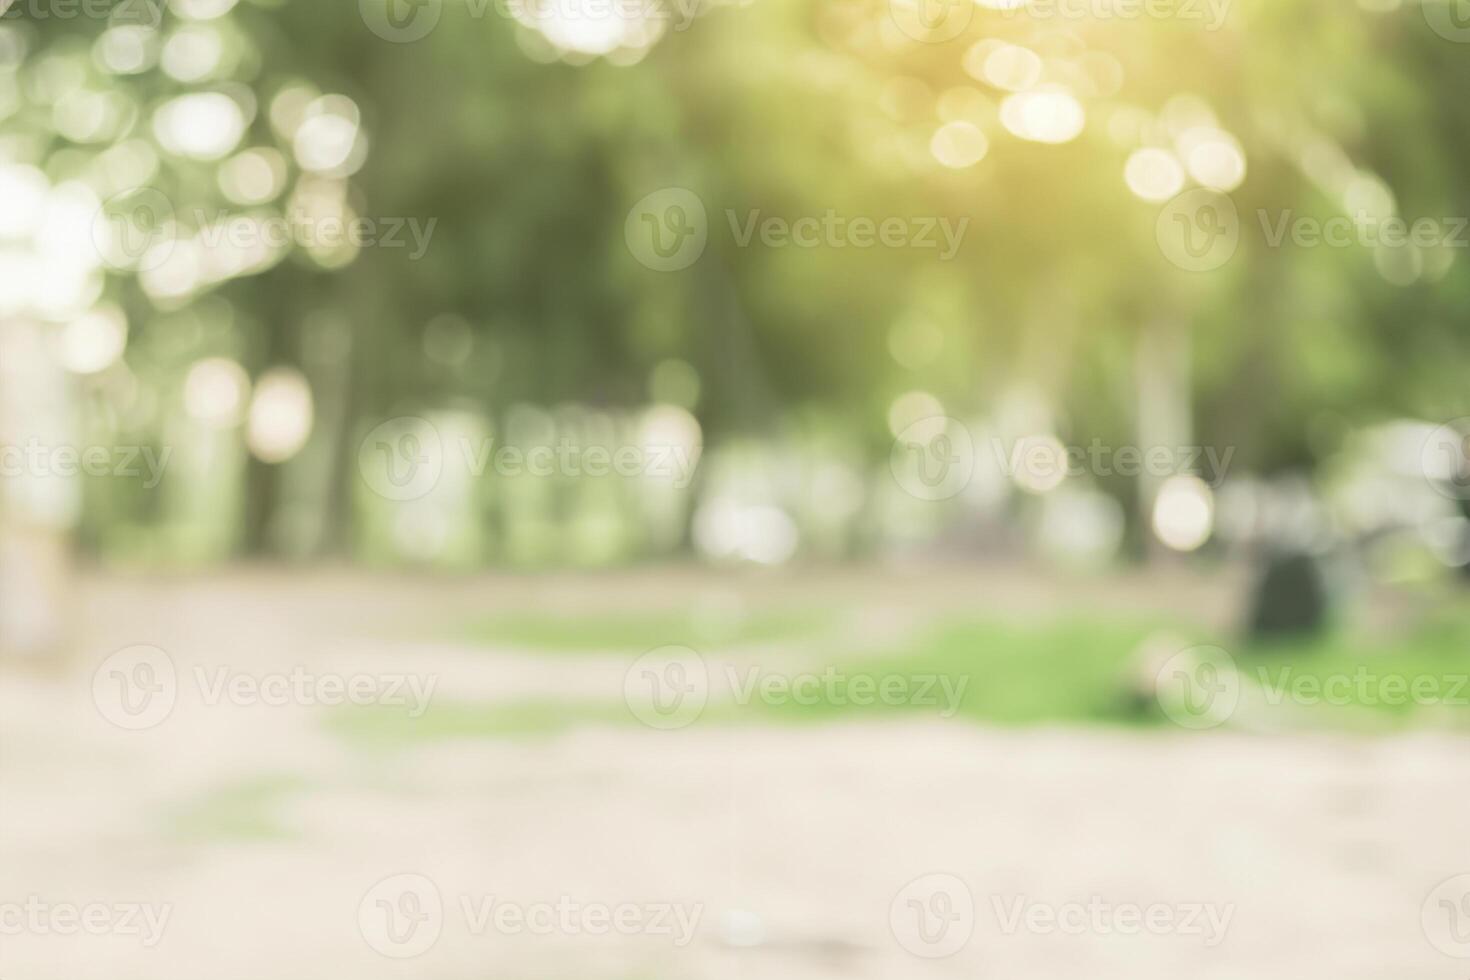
851, 473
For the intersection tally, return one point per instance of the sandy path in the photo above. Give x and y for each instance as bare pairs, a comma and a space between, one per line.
788, 851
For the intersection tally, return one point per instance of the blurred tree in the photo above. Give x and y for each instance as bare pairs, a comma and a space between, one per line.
1056, 139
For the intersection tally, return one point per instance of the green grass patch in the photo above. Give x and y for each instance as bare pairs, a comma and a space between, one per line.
1399, 676
1074, 671
621, 632
377, 726
242, 811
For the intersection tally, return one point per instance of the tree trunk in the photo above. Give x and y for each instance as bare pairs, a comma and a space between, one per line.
1164, 415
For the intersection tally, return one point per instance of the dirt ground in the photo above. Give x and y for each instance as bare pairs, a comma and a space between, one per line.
276, 848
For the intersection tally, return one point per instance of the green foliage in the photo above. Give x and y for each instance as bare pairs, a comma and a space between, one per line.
529, 160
